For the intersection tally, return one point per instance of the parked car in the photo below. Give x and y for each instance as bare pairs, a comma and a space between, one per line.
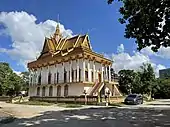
134, 99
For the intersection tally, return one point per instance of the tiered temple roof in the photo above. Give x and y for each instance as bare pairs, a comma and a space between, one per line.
59, 49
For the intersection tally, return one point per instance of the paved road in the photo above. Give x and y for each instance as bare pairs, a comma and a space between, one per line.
2, 115
154, 114
103, 117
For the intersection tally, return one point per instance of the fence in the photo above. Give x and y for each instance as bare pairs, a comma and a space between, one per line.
116, 99
4, 98
69, 99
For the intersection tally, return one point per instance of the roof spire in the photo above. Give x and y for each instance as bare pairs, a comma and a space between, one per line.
57, 33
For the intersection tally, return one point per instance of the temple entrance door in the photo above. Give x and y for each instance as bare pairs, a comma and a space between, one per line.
99, 77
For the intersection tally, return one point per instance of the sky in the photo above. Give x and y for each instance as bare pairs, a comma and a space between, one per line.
25, 24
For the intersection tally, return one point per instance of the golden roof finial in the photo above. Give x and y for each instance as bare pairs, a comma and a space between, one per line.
57, 33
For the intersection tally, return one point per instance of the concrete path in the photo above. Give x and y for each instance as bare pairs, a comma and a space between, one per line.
3, 115
105, 117
28, 111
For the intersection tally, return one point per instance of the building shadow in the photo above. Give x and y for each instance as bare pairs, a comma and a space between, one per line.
95, 117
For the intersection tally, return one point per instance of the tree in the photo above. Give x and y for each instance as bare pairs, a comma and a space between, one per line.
5, 71
10, 83
162, 89
147, 76
126, 80
142, 81
147, 21
25, 80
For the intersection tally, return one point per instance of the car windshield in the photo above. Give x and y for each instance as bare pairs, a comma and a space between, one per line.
132, 96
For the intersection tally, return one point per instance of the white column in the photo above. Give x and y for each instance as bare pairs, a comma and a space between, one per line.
70, 71
36, 78
78, 70
88, 67
109, 74
68, 74
94, 71
63, 72
55, 73
54, 90
97, 76
30, 74
46, 91
74, 75
47, 74
33, 78
102, 79
83, 71
106, 73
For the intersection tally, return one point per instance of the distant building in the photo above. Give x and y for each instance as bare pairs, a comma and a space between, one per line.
164, 73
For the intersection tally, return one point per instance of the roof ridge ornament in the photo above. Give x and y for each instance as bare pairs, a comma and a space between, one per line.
57, 34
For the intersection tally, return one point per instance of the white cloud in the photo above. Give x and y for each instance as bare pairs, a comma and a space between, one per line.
162, 52
157, 68
120, 48
147, 51
17, 72
27, 35
123, 60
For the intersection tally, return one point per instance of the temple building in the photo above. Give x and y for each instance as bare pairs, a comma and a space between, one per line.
69, 67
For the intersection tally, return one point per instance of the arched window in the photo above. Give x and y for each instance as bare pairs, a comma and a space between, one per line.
86, 75
57, 77
108, 73
54, 78
92, 76
49, 78
43, 91
76, 76
58, 91
39, 79
31, 81
65, 76
50, 91
66, 90
38, 91
79, 74
72, 73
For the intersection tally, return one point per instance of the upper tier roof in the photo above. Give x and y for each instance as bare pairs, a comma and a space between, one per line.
65, 44
56, 47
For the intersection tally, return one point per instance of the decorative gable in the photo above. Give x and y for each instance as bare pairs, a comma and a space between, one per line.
86, 42
48, 47
45, 47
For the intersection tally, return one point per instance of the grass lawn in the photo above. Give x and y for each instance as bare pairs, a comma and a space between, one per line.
120, 104
65, 105
35, 103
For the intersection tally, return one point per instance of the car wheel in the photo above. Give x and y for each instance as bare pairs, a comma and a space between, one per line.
136, 102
